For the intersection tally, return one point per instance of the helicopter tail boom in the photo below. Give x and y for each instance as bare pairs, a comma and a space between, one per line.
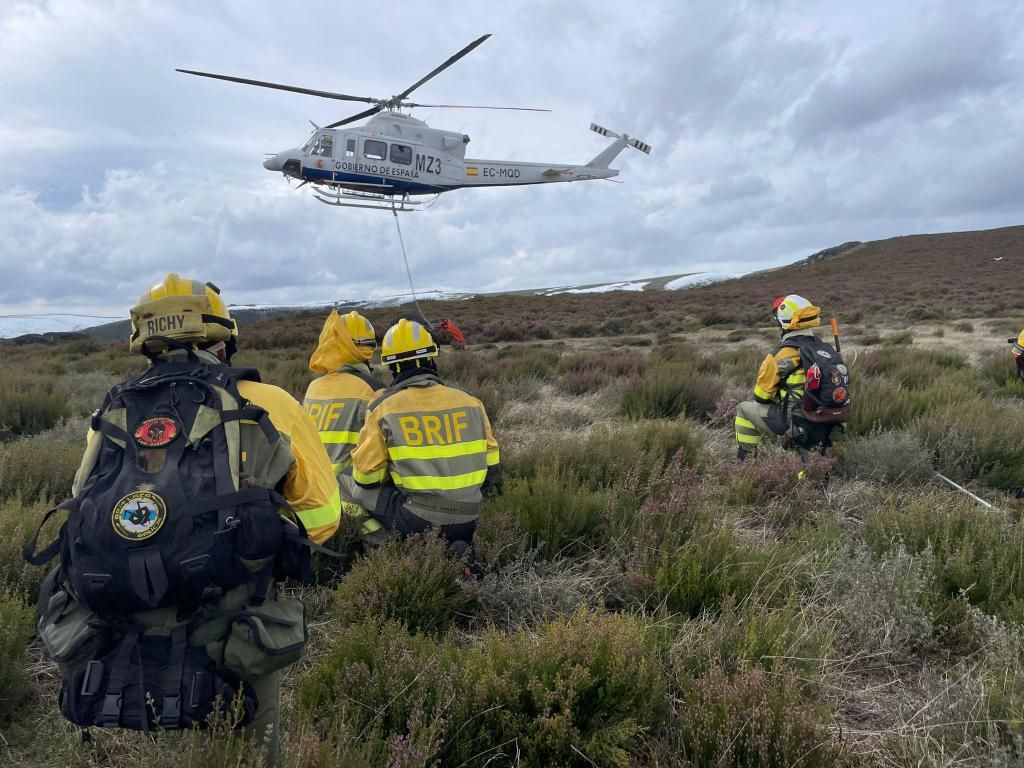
608, 154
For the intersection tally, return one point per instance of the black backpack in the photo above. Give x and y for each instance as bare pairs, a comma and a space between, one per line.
826, 397
160, 520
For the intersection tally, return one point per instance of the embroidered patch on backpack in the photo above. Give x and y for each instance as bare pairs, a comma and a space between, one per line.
156, 433
139, 516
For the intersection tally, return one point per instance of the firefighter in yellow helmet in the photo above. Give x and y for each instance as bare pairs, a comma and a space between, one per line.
780, 379
426, 455
196, 475
338, 399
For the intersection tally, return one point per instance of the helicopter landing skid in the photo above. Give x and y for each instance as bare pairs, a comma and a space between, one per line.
380, 202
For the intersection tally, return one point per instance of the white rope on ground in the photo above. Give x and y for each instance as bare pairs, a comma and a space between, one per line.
963, 490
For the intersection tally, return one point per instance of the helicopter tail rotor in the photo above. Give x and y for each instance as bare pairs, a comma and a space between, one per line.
622, 140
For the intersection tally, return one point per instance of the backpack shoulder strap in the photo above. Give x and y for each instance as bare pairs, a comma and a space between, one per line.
367, 378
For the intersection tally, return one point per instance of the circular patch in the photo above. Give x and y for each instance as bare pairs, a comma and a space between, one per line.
156, 433
138, 516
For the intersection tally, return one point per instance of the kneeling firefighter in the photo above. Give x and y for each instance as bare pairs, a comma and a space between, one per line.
200, 488
803, 387
337, 401
426, 455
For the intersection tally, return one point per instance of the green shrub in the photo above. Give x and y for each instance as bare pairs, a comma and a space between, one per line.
16, 629
412, 582
913, 368
30, 404
749, 720
884, 457
17, 523
976, 551
38, 468
997, 372
575, 691
554, 513
898, 339
670, 390
607, 456
977, 439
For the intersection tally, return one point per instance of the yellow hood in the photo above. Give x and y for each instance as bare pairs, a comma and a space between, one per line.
336, 347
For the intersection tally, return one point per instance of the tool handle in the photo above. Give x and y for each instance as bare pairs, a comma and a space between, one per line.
835, 334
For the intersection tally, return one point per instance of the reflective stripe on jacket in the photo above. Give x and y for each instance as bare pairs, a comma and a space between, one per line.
337, 403
781, 372
432, 441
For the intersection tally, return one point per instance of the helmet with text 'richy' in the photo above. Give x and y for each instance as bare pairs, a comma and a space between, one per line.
407, 342
795, 313
183, 310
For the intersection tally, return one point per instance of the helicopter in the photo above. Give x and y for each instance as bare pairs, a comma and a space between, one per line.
393, 157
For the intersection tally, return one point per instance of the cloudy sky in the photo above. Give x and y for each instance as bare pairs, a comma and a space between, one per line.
779, 128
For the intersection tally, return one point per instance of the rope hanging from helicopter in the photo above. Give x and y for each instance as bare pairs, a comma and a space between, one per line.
405, 259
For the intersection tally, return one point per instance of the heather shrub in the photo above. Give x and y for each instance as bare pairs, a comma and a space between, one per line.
749, 719
974, 551
780, 487
553, 513
17, 626
670, 390
607, 456
18, 522
751, 634
896, 457
898, 339
38, 468
997, 372
978, 439
963, 326
699, 574
571, 692
30, 404
881, 403
912, 368
412, 582
880, 601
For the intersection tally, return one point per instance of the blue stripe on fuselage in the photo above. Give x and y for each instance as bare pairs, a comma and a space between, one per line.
396, 185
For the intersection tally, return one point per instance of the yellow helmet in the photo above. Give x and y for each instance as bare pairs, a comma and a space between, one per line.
361, 330
795, 313
406, 340
181, 309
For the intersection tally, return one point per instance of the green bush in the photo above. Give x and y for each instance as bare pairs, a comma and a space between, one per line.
670, 390
896, 457
606, 457
976, 552
749, 719
30, 404
412, 582
977, 439
16, 629
551, 510
17, 523
38, 468
573, 693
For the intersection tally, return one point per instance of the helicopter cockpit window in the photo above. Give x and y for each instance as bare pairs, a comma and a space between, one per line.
374, 150
323, 146
401, 154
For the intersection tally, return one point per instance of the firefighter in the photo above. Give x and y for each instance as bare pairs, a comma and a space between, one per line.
780, 379
337, 400
426, 455
223, 467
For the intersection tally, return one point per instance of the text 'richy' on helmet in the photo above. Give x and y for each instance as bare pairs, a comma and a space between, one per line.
360, 329
795, 313
407, 341
183, 310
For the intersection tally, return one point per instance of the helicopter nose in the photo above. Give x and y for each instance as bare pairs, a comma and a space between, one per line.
275, 163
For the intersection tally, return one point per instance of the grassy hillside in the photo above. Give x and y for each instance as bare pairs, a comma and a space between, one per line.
647, 602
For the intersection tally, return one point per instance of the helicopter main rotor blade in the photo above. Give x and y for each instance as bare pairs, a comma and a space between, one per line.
443, 67
353, 118
279, 87
475, 106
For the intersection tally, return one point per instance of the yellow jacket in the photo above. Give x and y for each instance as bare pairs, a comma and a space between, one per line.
310, 487
338, 400
429, 440
781, 371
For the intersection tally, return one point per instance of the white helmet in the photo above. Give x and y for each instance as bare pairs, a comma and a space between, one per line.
794, 312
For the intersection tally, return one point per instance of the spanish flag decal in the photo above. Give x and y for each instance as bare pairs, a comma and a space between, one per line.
472, 170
